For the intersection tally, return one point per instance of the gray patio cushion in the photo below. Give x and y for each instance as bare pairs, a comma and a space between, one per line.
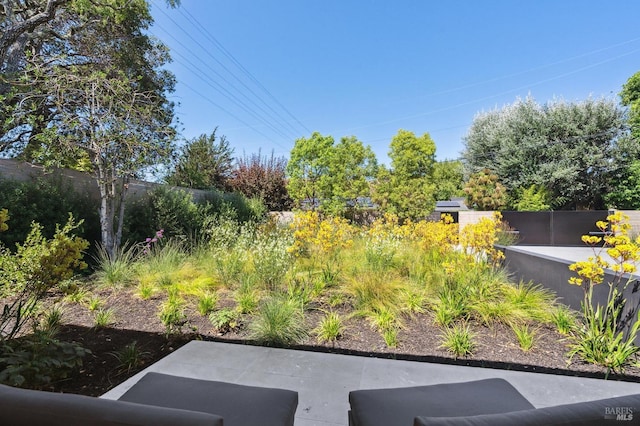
21, 407
399, 406
239, 405
591, 413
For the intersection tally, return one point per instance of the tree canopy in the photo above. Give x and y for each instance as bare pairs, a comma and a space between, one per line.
82, 86
569, 149
332, 176
630, 97
407, 189
204, 162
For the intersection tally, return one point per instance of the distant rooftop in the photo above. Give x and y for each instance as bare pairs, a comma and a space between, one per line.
453, 205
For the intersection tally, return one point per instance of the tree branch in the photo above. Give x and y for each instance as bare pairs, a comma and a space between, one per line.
12, 33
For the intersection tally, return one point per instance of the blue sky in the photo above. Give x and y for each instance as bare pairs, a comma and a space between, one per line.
268, 72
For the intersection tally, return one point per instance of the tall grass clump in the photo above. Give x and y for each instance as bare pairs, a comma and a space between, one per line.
117, 269
330, 328
564, 319
371, 291
458, 340
525, 335
278, 322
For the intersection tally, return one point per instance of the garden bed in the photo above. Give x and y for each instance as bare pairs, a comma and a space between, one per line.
136, 320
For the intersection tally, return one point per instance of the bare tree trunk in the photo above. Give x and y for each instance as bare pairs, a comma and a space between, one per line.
123, 193
106, 215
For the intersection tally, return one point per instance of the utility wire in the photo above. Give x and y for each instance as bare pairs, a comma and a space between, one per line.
199, 93
506, 92
219, 88
241, 67
207, 51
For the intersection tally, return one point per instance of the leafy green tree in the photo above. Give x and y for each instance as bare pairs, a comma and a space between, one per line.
85, 88
43, 38
625, 194
120, 130
407, 189
329, 175
485, 192
447, 179
533, 199
308, 169
352, 167
630, 97
204, 162
571, 149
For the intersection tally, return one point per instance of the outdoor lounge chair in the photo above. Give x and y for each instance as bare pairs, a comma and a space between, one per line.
155, 400
490, 402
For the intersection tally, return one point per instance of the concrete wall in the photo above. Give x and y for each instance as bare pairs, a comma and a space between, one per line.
82, 182
634, 220
470, 217
553, 273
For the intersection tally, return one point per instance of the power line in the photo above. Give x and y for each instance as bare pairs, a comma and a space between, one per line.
207, 51
232, 115
241, 67
203, 76
537, 83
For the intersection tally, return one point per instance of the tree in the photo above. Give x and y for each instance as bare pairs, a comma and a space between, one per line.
262, 177
352, 166
447, 178
484, 192
630, 97
91, 35
407, 189
567, 148
203, 163
308, 169
625, 194
85, 88
119, 129
333, 177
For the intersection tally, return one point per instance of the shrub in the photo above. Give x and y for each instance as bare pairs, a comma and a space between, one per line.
484, 192
263, 178
279, 322
38, 360
225, 320
47, 201
37, 266
271, 259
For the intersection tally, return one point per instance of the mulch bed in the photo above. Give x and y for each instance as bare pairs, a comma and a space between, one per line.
419, 339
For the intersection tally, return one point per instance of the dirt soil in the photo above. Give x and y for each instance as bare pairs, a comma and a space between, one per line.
419, 339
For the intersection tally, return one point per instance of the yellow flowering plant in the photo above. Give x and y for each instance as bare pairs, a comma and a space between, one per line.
604, 338
479, 239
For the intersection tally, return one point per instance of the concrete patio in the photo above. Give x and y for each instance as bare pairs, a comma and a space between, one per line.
323, 381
